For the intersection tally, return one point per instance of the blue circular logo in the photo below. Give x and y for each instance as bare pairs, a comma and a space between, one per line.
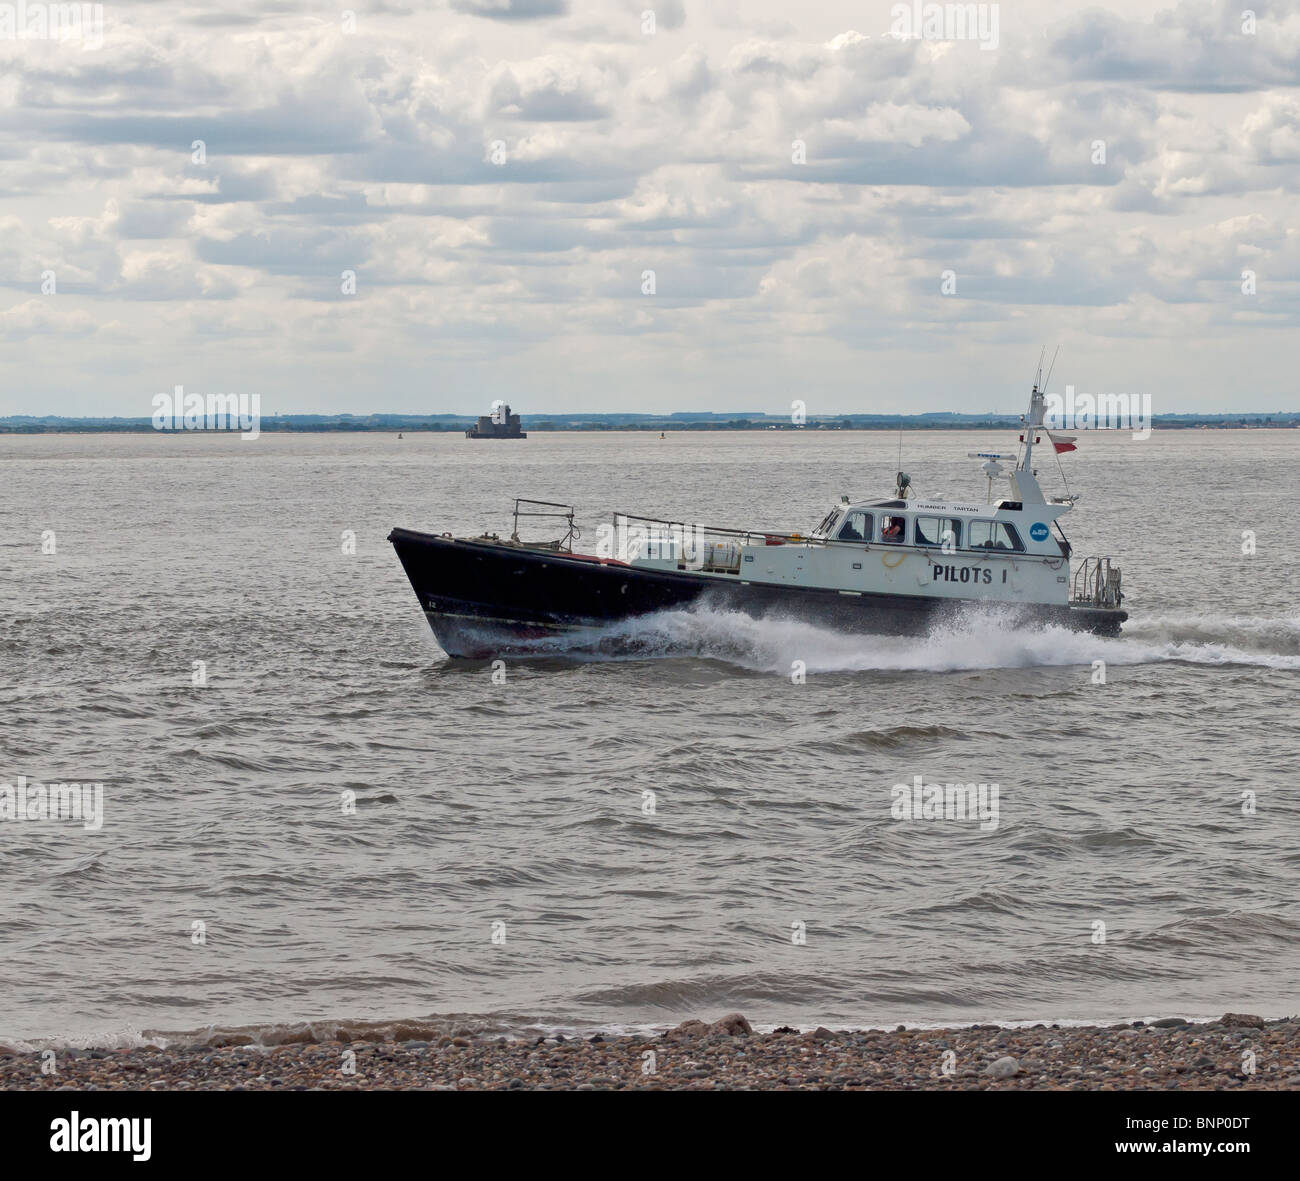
1038, 531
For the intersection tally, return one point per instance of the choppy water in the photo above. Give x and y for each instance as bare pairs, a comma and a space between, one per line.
522, 803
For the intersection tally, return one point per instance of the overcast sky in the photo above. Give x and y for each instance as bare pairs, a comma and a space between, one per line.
620, 152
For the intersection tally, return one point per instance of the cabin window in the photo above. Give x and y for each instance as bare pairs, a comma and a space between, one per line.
827, 527
893, 530
856, 528
938, 531
994, 535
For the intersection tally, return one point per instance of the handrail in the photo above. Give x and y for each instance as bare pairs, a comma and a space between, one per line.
565, 542
708, 528
744, 534
568, 508
1097, 582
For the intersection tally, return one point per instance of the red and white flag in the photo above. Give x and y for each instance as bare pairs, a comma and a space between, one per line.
1063, 443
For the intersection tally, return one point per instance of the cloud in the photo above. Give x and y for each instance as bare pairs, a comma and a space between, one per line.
501, 175
1193, 47
46, 316
512, 10
1273, 131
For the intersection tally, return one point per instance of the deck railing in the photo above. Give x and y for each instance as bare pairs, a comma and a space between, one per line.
1097, 583
545, 509
700, 547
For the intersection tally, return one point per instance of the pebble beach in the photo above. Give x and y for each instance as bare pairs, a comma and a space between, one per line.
1237, 1052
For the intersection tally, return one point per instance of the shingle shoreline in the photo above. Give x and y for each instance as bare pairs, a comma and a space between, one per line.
1239, 1052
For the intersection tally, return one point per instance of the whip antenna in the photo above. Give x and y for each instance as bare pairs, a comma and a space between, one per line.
1051, 367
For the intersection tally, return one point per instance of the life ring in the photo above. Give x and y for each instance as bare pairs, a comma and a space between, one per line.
892, 565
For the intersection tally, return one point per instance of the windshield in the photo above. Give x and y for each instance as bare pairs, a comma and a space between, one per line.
827, 527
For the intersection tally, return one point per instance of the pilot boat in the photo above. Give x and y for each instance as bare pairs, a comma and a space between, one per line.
894, 565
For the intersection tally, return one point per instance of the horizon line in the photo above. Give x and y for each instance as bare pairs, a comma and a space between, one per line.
674, 416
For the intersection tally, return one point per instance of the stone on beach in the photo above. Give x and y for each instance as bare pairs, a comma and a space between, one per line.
732, 1025
1003, 1068
1249, 1020
692, 1027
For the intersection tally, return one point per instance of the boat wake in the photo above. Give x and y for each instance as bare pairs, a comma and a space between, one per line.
979, 638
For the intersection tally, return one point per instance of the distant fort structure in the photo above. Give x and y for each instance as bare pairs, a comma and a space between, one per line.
500, 424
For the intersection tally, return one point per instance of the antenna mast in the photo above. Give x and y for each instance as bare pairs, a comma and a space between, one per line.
902, 482
1051, 367
1034, 419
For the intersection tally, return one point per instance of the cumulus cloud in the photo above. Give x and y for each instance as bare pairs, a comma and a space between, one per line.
46, 317
512, 10
500, 176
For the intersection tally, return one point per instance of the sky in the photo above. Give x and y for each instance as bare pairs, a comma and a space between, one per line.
566, 204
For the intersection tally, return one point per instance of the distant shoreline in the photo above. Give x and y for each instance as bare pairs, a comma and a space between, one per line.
290, 425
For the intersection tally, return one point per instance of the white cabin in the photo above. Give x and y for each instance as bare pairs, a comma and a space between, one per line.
1010, 550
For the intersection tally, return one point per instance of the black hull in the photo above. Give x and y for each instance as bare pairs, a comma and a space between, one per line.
486, 599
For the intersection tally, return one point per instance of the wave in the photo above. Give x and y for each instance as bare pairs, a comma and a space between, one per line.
1279, 637
889, 738
976, 639
314, 1032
